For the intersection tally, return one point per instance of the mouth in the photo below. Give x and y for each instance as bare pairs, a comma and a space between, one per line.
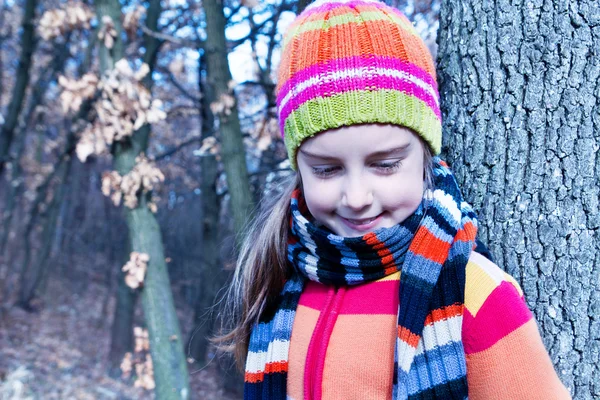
363, 224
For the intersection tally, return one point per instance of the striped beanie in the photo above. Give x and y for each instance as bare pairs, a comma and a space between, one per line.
348, 62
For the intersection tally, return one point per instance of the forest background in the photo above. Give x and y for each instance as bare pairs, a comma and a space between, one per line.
137, 137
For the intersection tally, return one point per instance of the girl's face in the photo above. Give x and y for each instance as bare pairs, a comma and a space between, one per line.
363, 177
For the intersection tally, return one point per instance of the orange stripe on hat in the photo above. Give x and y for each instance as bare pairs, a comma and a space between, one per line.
358, 44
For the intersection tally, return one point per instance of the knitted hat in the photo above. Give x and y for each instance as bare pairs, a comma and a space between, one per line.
348, 62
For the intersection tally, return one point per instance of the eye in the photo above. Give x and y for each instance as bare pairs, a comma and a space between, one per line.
325, 172
387, 167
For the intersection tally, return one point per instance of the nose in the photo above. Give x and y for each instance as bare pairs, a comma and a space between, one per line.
357, 193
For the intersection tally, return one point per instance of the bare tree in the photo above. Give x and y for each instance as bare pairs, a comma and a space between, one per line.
12, 116
232, 147
166, 345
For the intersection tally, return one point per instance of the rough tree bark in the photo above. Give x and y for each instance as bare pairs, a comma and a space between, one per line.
232, 147
22, 80
519, 82
166, 348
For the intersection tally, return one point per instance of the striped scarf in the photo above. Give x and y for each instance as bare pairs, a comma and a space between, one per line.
431, 248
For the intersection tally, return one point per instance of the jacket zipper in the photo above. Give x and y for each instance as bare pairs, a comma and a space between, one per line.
317, 349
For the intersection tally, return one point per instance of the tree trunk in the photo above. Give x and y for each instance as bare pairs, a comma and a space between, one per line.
122, 325
232, 146
121, 334
210, 265
211, 272
2, 19
41, 194
22, 80
15, 179
166, 348
520, 92
32, 277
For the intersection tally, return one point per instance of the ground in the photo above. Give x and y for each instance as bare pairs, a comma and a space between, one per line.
60, 351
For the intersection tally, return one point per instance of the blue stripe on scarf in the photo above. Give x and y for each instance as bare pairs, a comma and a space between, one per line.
438, 365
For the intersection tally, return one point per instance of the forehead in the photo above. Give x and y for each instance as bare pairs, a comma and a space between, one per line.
357, 140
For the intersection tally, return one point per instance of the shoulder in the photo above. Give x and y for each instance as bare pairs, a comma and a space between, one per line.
494, 304
506, 358
482, 278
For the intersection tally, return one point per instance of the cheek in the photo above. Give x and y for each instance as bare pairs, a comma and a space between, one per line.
321, 198
406, 193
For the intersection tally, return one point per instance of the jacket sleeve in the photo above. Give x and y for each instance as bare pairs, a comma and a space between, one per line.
506, 358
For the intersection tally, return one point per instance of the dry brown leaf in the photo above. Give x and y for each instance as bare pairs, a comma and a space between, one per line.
142, 72
131, 20
85, 146
153, 207
145, 374
127, 365
107, 32
223, 105
136, 269
124, 106
209, 146
57, 22
90, 142
111, 183
76, 91
142, 341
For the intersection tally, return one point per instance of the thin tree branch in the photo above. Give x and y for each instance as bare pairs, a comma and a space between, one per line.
163, 37
179, 86
175, 149
179, 108
233, 12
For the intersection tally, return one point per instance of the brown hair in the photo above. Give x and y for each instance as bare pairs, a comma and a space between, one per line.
261, 270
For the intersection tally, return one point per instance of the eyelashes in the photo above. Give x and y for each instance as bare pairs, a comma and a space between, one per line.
388, 166
382, 167
324, 172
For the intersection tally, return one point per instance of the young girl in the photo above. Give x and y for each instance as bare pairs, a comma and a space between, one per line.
363, 280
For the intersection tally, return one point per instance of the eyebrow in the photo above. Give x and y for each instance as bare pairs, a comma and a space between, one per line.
380, 153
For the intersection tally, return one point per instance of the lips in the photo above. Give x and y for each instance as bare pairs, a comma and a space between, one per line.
363, 224
361, 221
